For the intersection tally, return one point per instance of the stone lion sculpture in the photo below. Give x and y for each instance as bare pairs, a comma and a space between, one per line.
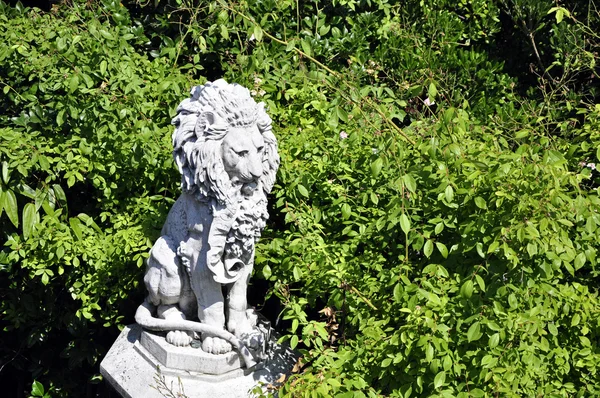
201, 264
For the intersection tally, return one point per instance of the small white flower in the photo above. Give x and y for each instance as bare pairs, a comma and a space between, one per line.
429, 102
592, 166
252, 38
343, 135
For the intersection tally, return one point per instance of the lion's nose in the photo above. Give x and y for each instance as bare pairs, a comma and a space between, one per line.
256, 168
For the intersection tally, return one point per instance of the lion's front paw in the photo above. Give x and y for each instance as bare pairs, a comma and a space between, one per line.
215, 345
179, 338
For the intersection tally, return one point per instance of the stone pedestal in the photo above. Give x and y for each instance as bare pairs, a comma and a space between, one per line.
142, 364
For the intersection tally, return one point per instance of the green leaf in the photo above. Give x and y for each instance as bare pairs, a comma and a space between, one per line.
480, 282
405, 223
10, 207
224, 32
474, 332
432, 91
559, 15
579, 260
293, 342
374, 198
342, 114
449, 193
258, 33
76, 227
61, 43
429, 353
532, 249
480, 202
479, 248
494, 340
103, 65
29, 219
306, 48
466, 291
60, 252
575, 320
106, 34
428, 249
333, 119
439, 379
73, 83
291, 45
376, 167
5, 174
266, 271
552, 329
303, 191
60, 194
492, 248
409, 183
60, 117
521, 134
37, 389
346, 211
512, 301
398, 293
442, 248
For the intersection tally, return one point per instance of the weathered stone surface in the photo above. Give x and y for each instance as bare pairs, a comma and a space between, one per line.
186, 358
133, 372
198, 270
201, 265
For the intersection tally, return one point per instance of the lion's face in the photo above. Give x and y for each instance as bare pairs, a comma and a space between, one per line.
223, 144
242, 155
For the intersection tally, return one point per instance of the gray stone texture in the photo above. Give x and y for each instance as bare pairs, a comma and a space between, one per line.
135, 373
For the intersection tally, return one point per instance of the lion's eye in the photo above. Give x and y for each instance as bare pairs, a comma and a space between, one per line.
260, 148
242, 153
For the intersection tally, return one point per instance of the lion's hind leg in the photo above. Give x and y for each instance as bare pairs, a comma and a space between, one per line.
167, 284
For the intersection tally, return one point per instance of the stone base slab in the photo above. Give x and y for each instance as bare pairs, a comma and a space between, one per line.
134, 372
187, 358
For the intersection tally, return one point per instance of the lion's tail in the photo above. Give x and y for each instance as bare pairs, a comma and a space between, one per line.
144, 318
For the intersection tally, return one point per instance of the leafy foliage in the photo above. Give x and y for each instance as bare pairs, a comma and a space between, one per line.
434, 225
85, 151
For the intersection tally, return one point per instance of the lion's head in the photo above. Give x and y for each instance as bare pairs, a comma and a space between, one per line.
223, 143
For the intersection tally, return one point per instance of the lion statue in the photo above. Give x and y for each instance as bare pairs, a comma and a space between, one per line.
200, 266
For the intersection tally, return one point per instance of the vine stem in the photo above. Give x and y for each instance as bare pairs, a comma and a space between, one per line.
366, 300
388, 121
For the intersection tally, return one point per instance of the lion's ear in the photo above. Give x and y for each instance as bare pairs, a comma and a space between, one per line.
209, 122
211, 118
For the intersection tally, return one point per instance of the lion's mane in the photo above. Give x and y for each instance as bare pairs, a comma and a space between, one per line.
201, 124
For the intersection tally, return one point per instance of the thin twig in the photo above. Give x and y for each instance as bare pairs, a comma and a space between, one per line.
388, 121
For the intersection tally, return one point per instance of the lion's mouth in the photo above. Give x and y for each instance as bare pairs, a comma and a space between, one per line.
249, 188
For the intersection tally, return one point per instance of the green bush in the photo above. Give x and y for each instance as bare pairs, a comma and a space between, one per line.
86, 182
434, 225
